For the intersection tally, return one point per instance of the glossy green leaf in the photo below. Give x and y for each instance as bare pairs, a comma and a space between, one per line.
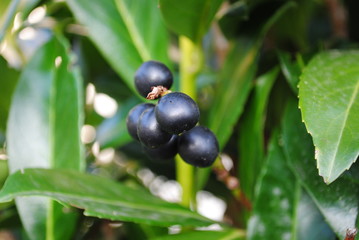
310, 223
235, 16
282, 209
298, 18
235, 80
338, 202
329, 101
126, 32
44, 131
234, 85
9, 78
251, 132
195, 16
99, 197
290, 70
113, 131
228, 234
277, 195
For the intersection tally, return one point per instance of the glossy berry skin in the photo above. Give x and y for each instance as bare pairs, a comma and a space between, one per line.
152, 74
134, 116
198, 147
165, 152
177, 112
149, 131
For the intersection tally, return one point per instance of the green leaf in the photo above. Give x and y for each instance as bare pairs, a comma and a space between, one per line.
298, 18
282, 209
235, 80
195, 16
235, 16
99, 197
44, 131
338, 202
251, 132
113, 131
227, 234
234, 84
126, 32
277, 195
9, 78
290, 70
310, 223
329, 101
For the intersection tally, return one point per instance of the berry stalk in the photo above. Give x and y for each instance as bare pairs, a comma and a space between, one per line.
190, 65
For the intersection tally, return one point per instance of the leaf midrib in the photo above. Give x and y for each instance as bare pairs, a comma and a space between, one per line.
347, 111
132, 31
117, 203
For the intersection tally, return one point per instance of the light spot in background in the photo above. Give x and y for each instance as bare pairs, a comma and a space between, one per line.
3, 157
212, 227
156, 184
17, 22
106, 156
27, 33
170, 191
2, 46
88, 134
37, 15
95, 149
90, 94
174, 229
276, 191
284, 204
146, 176
58, 61
286, 236
160, 186
227, 162
30, 39
210, 206
115, 224
104, 105
10, 54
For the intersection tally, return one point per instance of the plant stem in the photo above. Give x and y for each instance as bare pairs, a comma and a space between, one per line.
190, 66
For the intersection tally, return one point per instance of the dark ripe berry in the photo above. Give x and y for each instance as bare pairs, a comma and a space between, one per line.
134, 116
149, 131
177, 112
198, 147
165, 152
152, 74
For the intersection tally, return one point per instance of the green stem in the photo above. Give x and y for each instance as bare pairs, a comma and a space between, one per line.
190, 65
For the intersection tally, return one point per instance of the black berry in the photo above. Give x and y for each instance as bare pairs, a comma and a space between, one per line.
198, 147
149, 131
134, 116
177, 112
152, 74
165, 152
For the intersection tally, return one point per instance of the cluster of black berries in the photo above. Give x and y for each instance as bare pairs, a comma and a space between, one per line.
169, 127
